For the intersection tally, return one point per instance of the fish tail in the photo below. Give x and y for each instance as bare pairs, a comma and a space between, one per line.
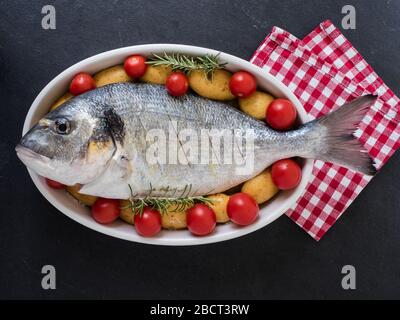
336, 142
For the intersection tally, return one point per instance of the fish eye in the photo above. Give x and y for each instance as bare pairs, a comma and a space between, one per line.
62, 126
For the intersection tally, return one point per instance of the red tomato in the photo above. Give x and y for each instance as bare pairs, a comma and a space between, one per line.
81, 83
177, 84
242, 84
105, 210
149, 223
201, 219
286, 174
281, 114
54, 184
135, 66
242, 209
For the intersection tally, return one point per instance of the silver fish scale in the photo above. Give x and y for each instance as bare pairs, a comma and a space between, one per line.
145, 107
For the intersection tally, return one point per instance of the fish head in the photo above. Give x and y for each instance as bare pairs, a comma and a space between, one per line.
70, 144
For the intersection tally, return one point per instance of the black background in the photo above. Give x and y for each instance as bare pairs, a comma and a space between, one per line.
278, 261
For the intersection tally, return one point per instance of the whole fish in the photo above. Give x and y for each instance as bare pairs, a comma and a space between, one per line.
125, 140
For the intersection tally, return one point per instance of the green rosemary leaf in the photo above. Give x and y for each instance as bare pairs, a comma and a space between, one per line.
162, 204
186, 63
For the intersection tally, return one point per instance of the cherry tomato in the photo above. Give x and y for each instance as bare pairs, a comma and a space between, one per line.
135, 66
281, 114
105, 210
242, 84
177, 84
286, 174
201, 219
54, 184
149, 223
81, 83
242, 209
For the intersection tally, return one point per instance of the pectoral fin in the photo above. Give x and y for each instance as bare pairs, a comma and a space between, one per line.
113, 182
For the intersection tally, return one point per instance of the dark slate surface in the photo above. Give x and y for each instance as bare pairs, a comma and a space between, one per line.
279, 261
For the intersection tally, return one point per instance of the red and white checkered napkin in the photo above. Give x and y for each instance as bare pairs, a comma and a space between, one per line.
324, 70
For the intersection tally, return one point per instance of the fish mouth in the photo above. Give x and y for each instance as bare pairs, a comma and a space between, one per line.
25, 154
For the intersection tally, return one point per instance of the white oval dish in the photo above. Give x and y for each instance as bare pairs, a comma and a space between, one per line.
70, 207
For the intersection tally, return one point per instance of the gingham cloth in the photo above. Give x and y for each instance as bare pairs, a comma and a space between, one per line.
324, 71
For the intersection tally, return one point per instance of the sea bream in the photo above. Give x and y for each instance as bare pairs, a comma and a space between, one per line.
106, 141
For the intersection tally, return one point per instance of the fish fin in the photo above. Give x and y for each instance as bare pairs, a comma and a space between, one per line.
112, 183
338, 144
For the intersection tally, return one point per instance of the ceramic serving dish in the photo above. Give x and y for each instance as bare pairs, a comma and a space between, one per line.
70, 207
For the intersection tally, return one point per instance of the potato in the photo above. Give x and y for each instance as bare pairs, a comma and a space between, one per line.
126, 213
111, 75
156, 74
173, 219
261, 187
83, 198
61, 100
256, 105
213, 87
218, 204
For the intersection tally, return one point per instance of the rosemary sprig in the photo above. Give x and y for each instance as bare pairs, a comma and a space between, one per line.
161, 204
186, 63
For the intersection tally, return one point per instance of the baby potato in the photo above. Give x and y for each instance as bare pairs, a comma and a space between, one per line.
174, 219
126, 213
83, 198
261, 187
256, 104
61, 100
215, 86
218, 204
111, 75
156, 74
